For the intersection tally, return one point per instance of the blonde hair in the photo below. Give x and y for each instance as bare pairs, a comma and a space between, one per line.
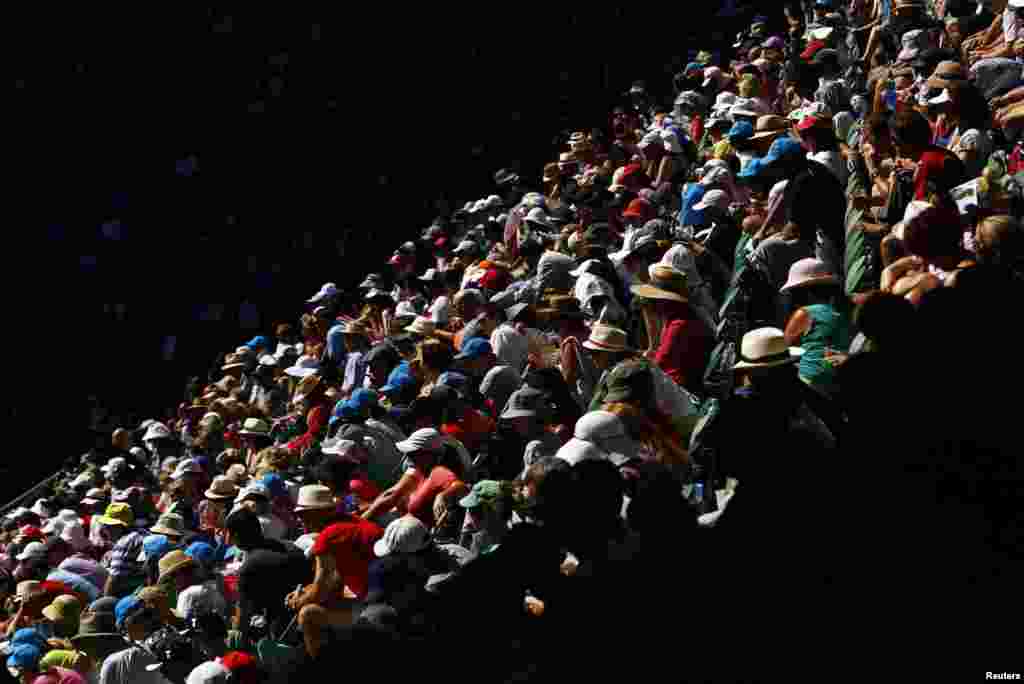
654, 430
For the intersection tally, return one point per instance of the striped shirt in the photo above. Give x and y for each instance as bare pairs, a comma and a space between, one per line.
123, 560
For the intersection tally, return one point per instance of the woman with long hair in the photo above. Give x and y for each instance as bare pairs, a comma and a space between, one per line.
678, 340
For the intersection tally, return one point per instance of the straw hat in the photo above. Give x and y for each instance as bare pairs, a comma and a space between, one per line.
170, 524
222, 487
666, 283
232, 361
945, 74
766, 348
807, 272
174, 561
561, 306
422, 325
314, 497
768, 126
606, 338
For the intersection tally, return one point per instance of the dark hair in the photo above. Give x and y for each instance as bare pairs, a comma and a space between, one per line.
935, 232
337, 472
973, 108
245, 528
910, 127
877, 124
885, 318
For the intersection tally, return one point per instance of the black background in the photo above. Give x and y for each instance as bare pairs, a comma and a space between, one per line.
320, 142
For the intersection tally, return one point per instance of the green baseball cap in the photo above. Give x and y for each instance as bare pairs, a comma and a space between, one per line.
484, 493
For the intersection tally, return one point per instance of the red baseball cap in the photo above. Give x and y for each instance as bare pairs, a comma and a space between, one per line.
638, 208
812, 122
812, 48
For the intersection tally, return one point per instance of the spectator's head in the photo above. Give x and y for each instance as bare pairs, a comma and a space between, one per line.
476, 357
999, 240
63, 614
911, 133
315, 507
934, 235
887, 321
423, 448
137, 618
244, 529
178, 569
121, 439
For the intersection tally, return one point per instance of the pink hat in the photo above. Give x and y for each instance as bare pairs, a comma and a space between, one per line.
809, 271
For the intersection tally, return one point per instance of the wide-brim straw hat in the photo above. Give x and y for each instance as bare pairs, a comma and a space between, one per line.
666, 283
766, 348
946, 74
768, 126
222, 487
607, 338
174, 561
560, 306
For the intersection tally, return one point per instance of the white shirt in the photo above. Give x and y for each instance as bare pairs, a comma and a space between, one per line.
129, 667
510, 346
439, 310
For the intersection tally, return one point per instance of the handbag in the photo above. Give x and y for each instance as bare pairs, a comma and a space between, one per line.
276, 655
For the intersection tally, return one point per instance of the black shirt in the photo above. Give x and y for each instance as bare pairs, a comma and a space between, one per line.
271, 572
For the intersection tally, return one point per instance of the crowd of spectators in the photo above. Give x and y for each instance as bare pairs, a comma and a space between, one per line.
708, 382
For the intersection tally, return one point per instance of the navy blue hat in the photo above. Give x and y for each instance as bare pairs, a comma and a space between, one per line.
457, 381
474, 349
741, 130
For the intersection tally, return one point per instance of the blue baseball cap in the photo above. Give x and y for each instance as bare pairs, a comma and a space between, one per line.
274, 484
156, 545
28, 636
694, 66
474, 349
362, 399
24, 657
126, 606
258, 341
399, 379
203, 552
741, 130
752, 169
783, 148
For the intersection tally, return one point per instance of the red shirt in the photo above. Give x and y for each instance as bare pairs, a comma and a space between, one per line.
421, 501
472, 429
351, 542
683, 351
940, 167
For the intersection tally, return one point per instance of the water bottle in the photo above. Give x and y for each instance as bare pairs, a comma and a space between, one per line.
698, 493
